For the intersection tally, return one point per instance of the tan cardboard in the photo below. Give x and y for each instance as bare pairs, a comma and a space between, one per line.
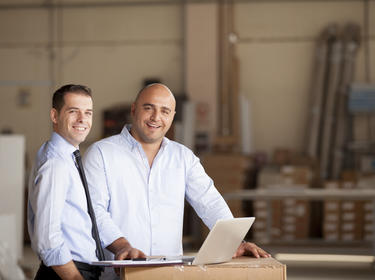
282, 156
229, 160
239, 268
290, 217
228, 171
332, 215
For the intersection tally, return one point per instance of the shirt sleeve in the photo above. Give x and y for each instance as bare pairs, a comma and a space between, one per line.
202, 194
95, 170
47, 198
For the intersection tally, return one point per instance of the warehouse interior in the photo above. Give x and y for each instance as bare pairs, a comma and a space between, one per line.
276, 97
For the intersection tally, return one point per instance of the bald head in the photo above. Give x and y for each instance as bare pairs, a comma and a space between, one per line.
152, 113
155, 87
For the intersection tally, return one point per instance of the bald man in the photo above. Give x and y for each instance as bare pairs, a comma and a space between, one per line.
139, 180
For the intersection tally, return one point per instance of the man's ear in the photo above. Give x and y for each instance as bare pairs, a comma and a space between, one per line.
54, 115
132, 110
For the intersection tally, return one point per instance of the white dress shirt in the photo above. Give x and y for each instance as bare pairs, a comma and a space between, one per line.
58, 222
146, 204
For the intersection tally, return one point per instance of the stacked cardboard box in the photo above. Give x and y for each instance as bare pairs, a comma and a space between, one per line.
267, 213
332, 214
229, 173
368, 182
368, 221
348, 220
290, 217
296, 212
351, 215
264, 210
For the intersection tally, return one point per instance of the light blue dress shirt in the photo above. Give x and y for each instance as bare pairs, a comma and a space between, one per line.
58, 221
146, 205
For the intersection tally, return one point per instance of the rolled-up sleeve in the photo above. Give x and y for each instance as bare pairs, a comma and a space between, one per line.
100, 195
47, 195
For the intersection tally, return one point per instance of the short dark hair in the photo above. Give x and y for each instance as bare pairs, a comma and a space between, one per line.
58, 96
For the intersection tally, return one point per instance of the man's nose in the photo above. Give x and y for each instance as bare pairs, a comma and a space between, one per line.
81, 116
155, 115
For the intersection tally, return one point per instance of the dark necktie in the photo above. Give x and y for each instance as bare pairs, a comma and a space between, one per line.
95, 232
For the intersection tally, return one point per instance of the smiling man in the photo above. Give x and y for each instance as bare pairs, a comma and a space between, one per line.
59, 223
140, 179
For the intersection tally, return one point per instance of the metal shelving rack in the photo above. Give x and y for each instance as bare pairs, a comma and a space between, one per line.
311, 195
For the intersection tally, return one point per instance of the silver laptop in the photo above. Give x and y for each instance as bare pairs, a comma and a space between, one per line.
222, 241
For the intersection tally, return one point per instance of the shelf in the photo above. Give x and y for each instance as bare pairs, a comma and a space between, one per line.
308, 194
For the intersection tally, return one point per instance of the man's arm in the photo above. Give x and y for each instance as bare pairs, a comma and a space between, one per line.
68, 271
47, 194
211, 206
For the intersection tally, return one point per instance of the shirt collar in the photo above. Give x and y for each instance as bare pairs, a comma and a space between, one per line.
63, 146
133, 142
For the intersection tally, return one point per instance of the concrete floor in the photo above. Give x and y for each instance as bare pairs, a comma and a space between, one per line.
332, 271
296, 270
325, 270
29, 263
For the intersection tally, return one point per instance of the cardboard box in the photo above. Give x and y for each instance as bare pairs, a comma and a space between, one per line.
229, 173
239, 268
226, 160
332, 215
296, 175
290, 217
282, 156
351, 211
348, 220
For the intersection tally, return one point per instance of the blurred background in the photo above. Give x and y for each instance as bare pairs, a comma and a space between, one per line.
276, 97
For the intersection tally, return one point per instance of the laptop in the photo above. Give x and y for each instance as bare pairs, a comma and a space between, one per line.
219, 246
222, 241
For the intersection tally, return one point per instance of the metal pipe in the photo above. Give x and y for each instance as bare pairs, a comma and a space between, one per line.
93, 4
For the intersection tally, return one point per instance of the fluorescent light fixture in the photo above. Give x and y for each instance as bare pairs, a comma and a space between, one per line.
325, 258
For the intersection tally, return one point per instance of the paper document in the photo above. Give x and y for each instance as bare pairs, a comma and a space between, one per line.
139, 262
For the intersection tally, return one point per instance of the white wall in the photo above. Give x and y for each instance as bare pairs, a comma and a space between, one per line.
111, 49
12, 148
24, 66
276, 48
201, 60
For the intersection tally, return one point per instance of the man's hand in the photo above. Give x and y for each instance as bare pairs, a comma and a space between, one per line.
128, 252
122, 250
250, 249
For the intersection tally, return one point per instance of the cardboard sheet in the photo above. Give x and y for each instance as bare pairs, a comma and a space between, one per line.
239, 268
